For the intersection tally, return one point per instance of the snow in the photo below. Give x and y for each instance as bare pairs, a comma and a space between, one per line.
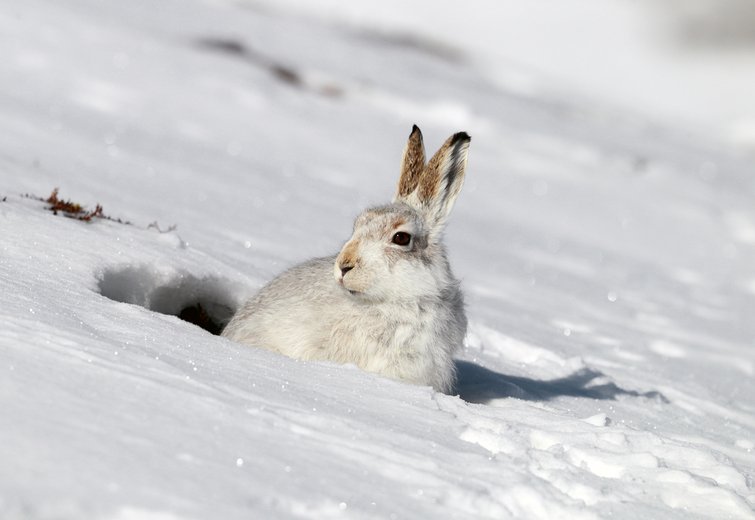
607, 263
688, 61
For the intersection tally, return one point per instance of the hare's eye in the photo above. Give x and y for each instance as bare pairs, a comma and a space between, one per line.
401, 238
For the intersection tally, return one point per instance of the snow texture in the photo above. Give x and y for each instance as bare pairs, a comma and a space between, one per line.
607, 263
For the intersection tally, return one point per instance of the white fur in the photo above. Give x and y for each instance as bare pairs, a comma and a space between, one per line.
397, 310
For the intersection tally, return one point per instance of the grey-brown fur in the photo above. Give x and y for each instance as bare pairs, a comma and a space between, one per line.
412, 163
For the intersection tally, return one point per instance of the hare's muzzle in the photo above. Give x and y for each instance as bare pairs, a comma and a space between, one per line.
346, 260
340, 269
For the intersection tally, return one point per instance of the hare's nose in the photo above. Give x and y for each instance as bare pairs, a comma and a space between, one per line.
345, 269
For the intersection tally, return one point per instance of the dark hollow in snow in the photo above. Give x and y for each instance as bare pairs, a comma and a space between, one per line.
201, 301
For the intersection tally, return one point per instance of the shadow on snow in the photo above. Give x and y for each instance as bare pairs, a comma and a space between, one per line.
476, 384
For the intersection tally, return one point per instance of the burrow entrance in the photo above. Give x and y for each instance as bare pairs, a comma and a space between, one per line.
205, 302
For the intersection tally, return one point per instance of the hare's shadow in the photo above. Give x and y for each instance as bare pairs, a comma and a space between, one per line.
476, 384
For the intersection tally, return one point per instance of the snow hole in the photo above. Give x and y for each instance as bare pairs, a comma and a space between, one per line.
205, 302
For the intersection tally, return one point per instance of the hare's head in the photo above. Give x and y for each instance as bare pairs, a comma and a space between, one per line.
395, 252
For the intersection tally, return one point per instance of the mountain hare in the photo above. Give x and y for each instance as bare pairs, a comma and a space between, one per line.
388, 301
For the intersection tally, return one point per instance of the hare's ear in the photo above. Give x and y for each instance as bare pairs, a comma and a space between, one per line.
412, 166
442, 179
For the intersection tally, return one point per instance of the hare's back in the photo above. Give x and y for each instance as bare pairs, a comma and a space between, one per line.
290, 314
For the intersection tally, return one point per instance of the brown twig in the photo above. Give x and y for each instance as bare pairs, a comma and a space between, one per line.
74, 209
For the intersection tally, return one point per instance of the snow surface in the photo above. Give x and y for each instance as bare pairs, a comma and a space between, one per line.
687, 61
607, 263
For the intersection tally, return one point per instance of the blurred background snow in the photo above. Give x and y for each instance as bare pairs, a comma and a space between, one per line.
685, 63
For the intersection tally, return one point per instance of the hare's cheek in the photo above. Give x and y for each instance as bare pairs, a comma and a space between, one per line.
409, 278
394, 257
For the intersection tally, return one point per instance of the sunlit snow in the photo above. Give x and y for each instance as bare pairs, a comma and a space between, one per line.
608, 265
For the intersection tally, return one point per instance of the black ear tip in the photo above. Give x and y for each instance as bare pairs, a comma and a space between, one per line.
460, 136
415, 129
